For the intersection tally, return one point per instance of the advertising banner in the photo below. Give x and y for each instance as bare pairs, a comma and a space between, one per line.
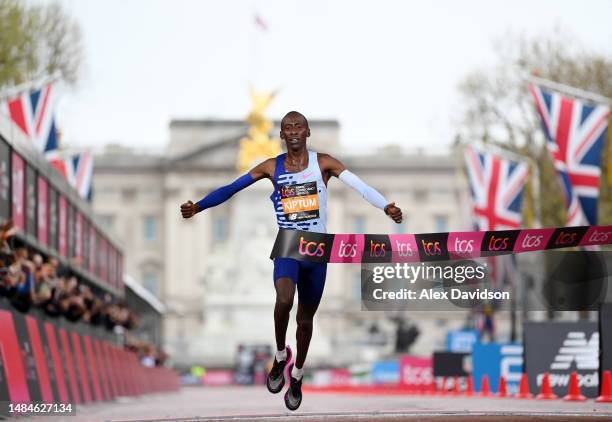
120, 273
53, 219
103, 257
78, 237
496, 360
71, 231
62, 226
14, 371
560, 348
31, 202
218, 377
605, 337
85, 244
416, 371
112, 266
57, 361
387, 372
18, 185
462, 340
450, 364
337, 377
43, 211
427, 247
5, 181
93, 247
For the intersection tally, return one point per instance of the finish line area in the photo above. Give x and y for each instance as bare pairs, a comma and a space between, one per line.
257, 404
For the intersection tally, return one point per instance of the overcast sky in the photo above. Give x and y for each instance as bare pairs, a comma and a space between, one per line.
387, 70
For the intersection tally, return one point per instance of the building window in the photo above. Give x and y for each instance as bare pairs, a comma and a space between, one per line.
150, 282
149, 228
359, 224
440, 223
219, 229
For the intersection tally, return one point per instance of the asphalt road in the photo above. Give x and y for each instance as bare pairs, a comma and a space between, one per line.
257, 404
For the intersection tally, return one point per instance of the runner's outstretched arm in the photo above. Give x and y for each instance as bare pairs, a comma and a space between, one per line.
367, 192
222, 194
336, 168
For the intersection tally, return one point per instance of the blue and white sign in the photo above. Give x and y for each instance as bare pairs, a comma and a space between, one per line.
386, 372
461, 341
494, 360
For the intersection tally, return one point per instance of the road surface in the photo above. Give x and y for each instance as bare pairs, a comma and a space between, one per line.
257, 404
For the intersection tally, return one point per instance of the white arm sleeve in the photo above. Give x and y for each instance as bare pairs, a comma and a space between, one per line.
368, 193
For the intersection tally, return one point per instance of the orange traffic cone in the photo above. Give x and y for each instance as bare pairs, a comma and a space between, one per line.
573, 393
442, 391
484, 386
501, 390
524, 388
457, 387
546, 392
469, 390
606, 388
432, 388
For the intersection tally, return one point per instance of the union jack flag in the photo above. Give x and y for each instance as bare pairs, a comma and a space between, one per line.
575, 135
496, 186
77, 169
32, 112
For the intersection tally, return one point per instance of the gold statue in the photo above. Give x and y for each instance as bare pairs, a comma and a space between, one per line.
258, 145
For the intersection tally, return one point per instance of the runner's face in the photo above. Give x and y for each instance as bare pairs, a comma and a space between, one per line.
294, 132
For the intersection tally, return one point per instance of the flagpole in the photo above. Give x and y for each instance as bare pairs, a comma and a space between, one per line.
28, 86
536, 194
576, 92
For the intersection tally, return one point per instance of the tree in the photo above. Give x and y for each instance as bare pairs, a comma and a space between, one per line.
498, 109
37, 41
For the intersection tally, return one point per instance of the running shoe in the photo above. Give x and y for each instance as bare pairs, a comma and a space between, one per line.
293, 396
276, 377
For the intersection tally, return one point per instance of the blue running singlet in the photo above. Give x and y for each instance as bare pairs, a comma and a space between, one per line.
300, 203
300, 199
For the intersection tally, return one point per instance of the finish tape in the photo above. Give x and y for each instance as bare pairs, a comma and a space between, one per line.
424, 247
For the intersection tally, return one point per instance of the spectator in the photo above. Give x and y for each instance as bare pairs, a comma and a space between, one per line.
148, 359
53, 306
42, 289
133, 321
72, 303
37, 259
22, 296
93, 306
11, 279
148, 354
7, 230
161, 357
51, 286
4, 279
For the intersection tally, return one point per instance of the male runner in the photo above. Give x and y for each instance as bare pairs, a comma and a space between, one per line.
298, 173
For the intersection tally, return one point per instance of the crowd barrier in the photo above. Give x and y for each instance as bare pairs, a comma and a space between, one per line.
46, 360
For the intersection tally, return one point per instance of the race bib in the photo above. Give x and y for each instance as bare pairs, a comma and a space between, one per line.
300, 202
